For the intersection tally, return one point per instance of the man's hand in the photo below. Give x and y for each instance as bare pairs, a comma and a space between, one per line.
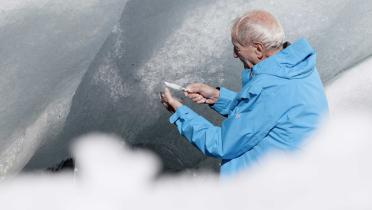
202, 93
170, 103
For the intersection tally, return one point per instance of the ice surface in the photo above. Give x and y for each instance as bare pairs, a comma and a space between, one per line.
47, 46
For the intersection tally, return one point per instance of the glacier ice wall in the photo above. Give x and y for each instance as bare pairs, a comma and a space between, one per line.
46, 47
157, 40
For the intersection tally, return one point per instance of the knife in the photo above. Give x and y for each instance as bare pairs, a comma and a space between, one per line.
174, 86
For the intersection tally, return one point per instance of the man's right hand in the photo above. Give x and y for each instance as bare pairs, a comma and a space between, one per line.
202, 93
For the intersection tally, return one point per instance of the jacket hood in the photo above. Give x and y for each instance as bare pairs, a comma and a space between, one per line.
294, 62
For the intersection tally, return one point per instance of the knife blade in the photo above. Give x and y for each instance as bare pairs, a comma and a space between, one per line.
174, 86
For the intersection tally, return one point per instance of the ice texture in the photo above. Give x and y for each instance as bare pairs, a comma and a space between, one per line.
47, 47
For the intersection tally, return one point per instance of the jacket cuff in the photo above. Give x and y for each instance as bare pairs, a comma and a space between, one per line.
225, 98
181, 112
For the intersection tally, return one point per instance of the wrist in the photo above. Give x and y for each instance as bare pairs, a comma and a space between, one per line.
176, 104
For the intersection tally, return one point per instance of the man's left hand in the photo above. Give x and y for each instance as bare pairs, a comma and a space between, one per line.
170, 103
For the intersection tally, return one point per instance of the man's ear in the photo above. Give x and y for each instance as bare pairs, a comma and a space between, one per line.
259, 50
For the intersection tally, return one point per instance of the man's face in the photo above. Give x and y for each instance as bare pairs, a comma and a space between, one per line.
246, 54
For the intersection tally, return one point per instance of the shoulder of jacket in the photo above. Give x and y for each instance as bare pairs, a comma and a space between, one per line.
265, 84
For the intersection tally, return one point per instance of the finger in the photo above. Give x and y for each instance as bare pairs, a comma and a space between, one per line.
187, 92
162, 98
196, 100
166, 105
199, 98
194, 96
209, 101
160, 95
201, 101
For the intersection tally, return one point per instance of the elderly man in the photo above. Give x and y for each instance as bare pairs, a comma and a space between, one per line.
280, 103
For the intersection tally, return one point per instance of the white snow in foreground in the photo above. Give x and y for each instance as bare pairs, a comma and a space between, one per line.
333, 170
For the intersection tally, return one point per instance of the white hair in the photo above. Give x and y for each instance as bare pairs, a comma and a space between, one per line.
258, 26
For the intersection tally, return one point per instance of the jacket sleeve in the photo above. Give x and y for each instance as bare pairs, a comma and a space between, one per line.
240, 132
223, 104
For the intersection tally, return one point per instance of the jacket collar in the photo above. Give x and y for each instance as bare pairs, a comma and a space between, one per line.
295, 61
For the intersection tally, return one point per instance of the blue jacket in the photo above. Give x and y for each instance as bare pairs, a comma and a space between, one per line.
277, 107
